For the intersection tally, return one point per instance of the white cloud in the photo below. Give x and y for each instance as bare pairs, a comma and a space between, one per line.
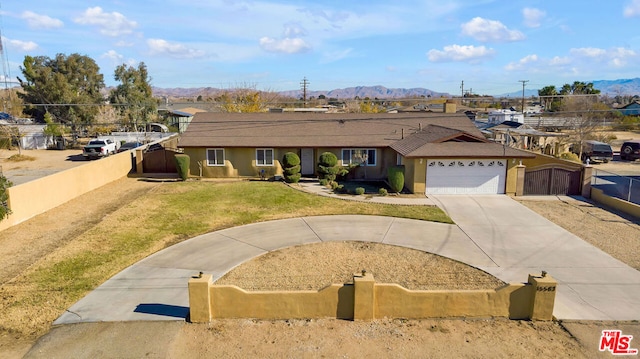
588, 52
334, 56
286, 45
632, 9
24, 46
490, 30
117, 59
110, 24
532, 16
472, 54
175, 50
560, 61
523, 63
36, 21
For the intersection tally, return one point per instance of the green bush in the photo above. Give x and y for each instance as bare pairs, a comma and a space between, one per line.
182, 164
359, 191
383, 192
396, 178
328, 159
291, 167
5, 211
570, 156
323, 181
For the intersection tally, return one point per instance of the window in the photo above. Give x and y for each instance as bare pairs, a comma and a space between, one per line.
359, 156
264, 157
215, 157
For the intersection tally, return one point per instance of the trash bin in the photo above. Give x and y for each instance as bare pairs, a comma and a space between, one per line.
60, 143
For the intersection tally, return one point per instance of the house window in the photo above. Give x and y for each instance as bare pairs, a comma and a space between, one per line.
359, 156
215, 157
264, 157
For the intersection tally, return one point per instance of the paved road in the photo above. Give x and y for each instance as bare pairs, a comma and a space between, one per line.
493, 233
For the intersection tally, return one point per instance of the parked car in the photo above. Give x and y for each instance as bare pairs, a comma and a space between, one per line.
129, 146
630, 150
97, 148
594, 151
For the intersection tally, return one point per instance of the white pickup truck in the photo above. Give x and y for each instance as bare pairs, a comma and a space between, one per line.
97, 148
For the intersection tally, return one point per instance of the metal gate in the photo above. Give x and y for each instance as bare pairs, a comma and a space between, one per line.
552, 181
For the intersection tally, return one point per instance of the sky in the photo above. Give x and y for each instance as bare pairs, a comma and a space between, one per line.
490, 46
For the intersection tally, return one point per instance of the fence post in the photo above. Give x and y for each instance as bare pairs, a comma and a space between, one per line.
544, 296
200, 298
587, 173
363, 296
520, 173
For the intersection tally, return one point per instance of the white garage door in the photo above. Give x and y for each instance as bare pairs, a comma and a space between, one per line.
459, 176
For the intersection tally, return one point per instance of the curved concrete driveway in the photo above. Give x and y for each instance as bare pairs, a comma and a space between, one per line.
493, 233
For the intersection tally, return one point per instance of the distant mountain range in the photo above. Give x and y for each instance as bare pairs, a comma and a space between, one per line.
606, 87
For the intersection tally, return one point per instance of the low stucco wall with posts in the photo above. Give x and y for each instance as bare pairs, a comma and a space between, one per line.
367, 300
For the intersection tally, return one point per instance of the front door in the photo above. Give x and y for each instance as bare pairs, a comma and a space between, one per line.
306, 161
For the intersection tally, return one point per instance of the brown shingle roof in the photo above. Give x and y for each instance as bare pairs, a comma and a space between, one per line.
313, 130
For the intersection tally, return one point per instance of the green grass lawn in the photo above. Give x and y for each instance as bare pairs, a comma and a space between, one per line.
171, 213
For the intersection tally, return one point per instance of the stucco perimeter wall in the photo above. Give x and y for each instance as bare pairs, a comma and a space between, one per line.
624, 206
367, 300
29, 199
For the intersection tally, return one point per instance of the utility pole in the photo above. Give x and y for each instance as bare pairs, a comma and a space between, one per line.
304, 84
461, 91
523, 83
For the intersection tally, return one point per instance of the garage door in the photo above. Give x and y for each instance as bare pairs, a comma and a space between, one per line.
460, 176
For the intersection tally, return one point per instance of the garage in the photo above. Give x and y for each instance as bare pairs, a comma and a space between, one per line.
466, 176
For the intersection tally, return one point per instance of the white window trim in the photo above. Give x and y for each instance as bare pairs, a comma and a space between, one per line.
209, 164
265, 157
351, 150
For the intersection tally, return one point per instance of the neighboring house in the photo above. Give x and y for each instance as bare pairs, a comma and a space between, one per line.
441, 152
31, 136
181, 118
518, 135
632, 109
499, 116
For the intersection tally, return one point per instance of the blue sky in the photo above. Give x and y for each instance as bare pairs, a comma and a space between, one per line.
273, 45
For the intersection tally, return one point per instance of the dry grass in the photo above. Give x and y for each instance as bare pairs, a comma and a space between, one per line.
20, 158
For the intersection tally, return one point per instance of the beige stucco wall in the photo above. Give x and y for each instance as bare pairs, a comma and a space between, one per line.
40, 195
542, 160
367, 300
624, 206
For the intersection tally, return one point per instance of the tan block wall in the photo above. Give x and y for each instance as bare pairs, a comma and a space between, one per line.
542, 160
32, 198
624, 206
367, 300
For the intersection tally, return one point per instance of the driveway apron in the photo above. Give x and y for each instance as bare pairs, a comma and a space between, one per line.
592, 284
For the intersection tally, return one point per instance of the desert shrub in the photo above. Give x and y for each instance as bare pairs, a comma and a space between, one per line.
396, 178
359, 191
182, 164
570, 156
5, 211
291, 167
383, 192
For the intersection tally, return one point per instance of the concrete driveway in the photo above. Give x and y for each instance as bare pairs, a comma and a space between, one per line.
493, 233
592, 284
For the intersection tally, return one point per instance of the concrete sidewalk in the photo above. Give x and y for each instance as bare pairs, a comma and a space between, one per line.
493, 233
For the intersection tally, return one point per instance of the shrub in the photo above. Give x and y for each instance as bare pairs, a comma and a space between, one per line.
396, 178
570, 156
359, 191
334, 185
5, 211
383, 192
182, 164
323, 181
291, 167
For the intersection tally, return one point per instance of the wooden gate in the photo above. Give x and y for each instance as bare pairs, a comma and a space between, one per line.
552, 181
159, 161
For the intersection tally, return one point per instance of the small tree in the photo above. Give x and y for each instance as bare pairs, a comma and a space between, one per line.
291, 167
5, 211
182, 164
328, 168
396, 178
